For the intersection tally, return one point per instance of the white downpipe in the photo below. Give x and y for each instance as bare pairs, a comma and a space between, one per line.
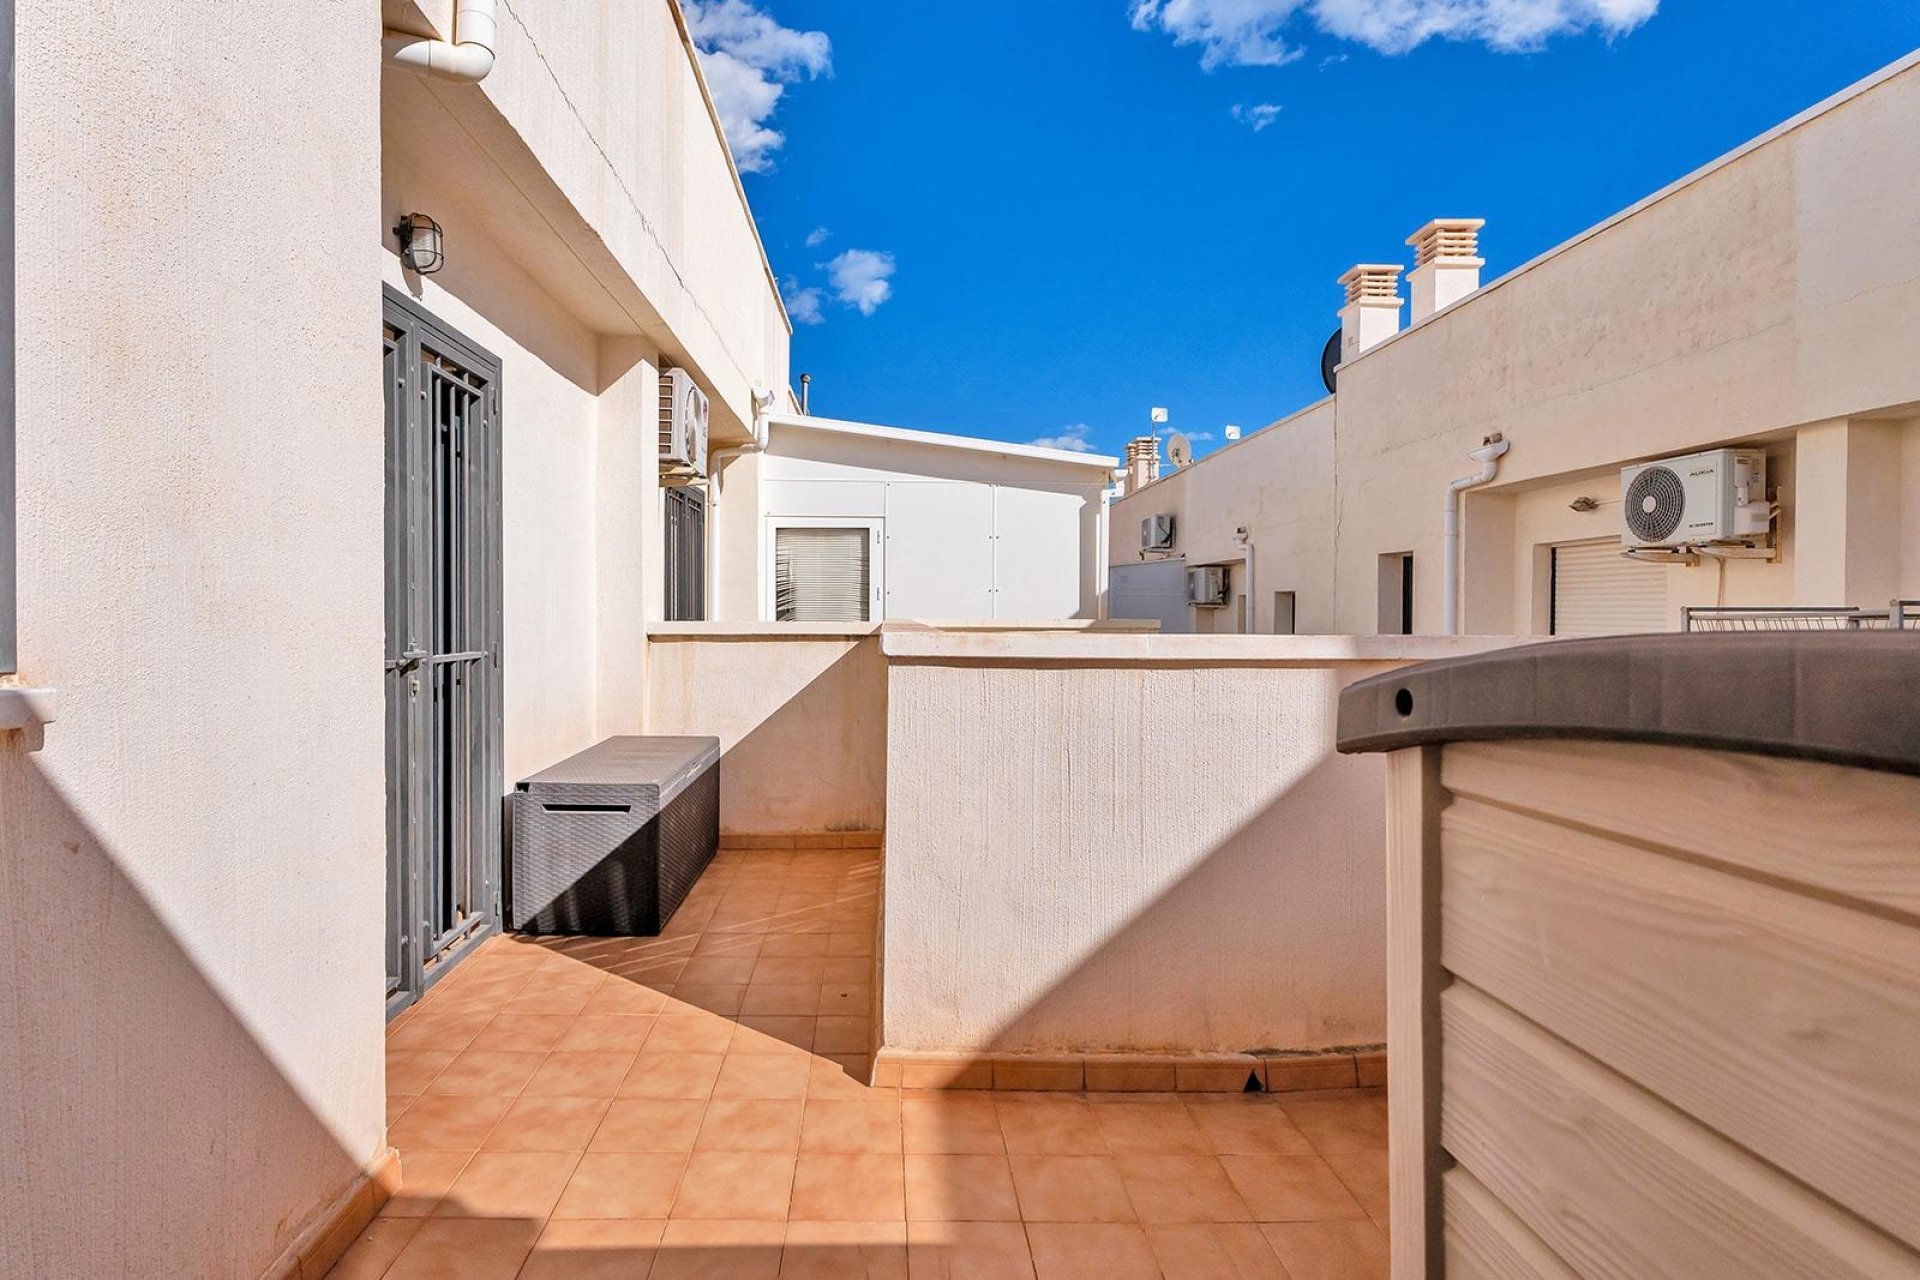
468, 57
1247, 610
1488, 456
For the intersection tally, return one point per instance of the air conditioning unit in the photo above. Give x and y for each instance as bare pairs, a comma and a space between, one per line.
1156, 533
683, 425
1207, 586
1717, 496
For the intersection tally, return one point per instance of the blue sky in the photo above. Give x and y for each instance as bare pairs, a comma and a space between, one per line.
1035, 221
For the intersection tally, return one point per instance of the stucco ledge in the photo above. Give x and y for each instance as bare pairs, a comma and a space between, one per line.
1150, 648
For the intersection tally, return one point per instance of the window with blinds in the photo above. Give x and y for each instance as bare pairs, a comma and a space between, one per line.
821, 575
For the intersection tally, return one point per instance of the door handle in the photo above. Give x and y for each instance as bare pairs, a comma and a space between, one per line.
408, 660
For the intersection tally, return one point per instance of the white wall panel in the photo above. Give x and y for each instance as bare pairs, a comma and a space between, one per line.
1040, 542
939, 547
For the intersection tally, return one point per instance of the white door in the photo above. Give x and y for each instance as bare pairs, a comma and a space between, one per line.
1151, 589
1042, 552
1599, 592
939, 550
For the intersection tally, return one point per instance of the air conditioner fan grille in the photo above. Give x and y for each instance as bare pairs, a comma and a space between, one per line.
1656, 503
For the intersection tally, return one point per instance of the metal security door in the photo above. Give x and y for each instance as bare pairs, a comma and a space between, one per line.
443, 649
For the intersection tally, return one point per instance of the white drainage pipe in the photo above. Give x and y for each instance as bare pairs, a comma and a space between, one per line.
1488, 456
467, 58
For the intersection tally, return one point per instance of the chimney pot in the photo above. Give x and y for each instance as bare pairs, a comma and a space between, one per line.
1447, 263
1372, 313
1143, 462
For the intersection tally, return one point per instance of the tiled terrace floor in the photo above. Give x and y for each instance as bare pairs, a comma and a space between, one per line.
681, 1107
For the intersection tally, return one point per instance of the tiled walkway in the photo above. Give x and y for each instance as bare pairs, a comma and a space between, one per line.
681, 1107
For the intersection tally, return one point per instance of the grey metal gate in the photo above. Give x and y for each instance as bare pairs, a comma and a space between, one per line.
686, 521
444, 783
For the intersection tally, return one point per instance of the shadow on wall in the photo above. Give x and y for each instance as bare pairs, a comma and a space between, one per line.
1250, 959
145, 1132
803, 737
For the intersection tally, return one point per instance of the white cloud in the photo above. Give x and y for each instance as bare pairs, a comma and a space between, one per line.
803, 305
1074, 439
749, 59
1250, 33
862, 278
1256, 116
817, 237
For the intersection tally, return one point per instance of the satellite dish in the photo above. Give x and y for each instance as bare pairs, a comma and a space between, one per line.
1330, 361
1179, 450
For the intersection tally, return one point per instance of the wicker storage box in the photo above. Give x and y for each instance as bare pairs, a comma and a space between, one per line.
610, 841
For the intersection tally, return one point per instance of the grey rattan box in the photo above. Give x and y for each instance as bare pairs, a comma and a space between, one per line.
609, 841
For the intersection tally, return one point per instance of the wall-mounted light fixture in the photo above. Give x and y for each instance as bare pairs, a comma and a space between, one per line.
422, 243
1584, 505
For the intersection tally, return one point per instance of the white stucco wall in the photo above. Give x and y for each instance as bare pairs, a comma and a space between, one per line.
1773, 299
800, 711
1131, 844
969, 532
192, 868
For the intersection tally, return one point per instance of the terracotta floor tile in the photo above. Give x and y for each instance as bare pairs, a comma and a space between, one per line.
772, 1030
1091, 1251
1365, 1175
851, 1126
465, 1249
960, 1188
696, 1250
736, 946
1290, 1188
720, 998
555, 997
606, 1033
689, 1033
1330, 1250
410, 1071
783, 945
845, 1000
736, 1185
850, 944
952, 1125
712, 970
609, 1184
522, 1032
480, 1074
843, 1035
1149, 1128
1224, 1251
1070, 1189
762, 1075
750, 1125
845, 1251
848, 971
968, 1251
447, 1031
566, 1074
605, 1249
843, 1076
397, 1104
840, 1187
447, 1123
547, 1124
508, 1184
424, 1179
374, 1249
1235, 1126
1182, 1189
788, 970
1062, 1127
649, 1124
787, 999
1352, 1123
621, 997
672, 1074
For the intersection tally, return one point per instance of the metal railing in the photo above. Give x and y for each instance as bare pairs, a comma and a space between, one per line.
1899, 615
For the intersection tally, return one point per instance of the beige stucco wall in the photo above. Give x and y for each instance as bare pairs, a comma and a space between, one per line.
192, 867
1131, 843
801, 714
1772, 299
